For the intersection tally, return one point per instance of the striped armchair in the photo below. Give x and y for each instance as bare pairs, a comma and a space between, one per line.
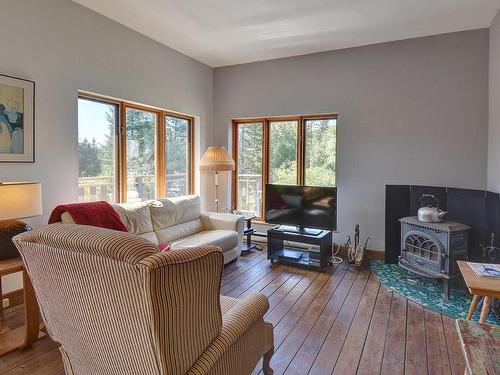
118, 306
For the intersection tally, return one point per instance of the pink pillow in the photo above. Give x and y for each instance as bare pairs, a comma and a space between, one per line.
163, 247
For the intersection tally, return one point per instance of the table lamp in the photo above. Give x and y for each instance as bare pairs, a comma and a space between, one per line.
17, 200
216, 159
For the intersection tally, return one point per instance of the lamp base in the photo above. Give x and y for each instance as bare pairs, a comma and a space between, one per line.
9, 229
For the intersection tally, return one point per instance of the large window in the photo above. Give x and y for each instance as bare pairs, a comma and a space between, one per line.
131, 153
320, 152
97, 130
178, 155
293, 150
249, 161
141, 147
283, 152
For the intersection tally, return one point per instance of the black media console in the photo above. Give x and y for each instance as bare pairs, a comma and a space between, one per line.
279, 251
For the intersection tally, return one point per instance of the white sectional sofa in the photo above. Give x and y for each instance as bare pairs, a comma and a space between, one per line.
181, 223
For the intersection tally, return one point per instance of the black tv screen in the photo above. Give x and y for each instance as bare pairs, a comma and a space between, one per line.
302, 206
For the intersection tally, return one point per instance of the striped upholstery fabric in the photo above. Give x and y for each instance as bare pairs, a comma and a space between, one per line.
118, 306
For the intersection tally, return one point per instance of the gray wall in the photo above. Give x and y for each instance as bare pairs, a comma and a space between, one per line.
65, 47
411, 112
494, 118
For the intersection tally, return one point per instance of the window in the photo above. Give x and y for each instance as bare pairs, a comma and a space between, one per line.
320, 151
291, 150
249, 161
97, 129
141, 146
132, 153
178, 155
283, 152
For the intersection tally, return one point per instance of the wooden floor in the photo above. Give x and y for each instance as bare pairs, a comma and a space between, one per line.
340, 321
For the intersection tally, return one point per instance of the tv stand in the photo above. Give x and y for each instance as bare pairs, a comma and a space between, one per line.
300, 230
279, 251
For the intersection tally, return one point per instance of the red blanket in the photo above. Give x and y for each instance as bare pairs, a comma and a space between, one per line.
98, 214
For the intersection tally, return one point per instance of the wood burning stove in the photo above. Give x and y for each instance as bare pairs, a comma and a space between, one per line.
432, 249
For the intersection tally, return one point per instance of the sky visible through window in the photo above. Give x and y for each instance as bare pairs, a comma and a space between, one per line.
92, 122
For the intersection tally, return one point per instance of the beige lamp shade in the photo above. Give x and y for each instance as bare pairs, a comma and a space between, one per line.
216, 159
20, 199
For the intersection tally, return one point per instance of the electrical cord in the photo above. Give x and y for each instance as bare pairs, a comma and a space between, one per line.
336, 259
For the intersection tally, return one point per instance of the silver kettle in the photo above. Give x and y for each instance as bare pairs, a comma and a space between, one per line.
429, 213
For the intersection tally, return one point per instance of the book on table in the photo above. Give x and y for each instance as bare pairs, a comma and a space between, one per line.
485, 269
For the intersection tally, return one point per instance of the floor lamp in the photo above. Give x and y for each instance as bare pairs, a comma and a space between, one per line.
216, 159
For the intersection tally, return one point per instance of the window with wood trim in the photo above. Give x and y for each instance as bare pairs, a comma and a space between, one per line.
294, 150
132, 153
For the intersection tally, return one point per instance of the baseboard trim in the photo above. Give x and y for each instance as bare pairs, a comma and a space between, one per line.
16, 297
375, 254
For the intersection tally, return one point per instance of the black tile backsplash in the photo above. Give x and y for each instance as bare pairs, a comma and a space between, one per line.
396, 207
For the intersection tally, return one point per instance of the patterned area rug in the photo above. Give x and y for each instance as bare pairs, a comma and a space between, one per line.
427, 292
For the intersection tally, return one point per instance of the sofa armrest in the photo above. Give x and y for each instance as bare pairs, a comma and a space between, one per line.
216, 220
235, 323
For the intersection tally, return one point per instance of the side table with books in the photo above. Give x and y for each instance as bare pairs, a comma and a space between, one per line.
485, 286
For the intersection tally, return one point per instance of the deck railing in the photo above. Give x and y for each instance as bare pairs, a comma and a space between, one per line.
139, 188
250, 193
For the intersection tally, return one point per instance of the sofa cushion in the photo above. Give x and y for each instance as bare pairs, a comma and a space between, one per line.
135, 216
172, 211
151, 237
178, 231
225, 239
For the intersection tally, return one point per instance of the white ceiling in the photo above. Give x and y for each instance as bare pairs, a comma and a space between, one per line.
227, 32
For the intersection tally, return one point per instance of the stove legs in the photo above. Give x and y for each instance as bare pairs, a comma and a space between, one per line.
446, 285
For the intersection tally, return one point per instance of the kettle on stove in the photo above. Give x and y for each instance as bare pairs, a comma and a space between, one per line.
430, 213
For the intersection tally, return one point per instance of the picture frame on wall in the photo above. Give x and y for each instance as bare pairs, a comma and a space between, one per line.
17, 120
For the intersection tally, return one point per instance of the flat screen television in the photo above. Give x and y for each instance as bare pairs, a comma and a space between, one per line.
301, 206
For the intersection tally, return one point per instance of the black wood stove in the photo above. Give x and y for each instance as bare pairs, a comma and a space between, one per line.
432, 249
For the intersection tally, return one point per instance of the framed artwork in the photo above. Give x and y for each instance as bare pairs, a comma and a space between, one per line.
17, 120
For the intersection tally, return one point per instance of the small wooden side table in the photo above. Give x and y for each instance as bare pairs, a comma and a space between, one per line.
22, 337
487, 287
480, 346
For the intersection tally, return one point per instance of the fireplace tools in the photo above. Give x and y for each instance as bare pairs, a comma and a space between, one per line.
356, 251
491, 252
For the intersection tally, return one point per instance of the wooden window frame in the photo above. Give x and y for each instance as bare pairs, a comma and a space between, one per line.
160, 151
266, 121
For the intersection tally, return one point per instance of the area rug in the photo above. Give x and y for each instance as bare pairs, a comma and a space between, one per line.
427, 292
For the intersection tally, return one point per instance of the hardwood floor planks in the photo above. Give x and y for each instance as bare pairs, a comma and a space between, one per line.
455, 355
277, 276
277, 296
373, 351
353, 345
287, 349
416, 346
437, 355
338, 320
307, 353
394, 350
327, 357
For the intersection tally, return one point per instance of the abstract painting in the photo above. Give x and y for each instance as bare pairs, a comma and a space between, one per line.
17, 120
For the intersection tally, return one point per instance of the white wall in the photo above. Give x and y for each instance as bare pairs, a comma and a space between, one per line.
64, 47
494, 117
411, 112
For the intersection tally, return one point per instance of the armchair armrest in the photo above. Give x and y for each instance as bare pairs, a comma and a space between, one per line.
216, 220
235, 323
